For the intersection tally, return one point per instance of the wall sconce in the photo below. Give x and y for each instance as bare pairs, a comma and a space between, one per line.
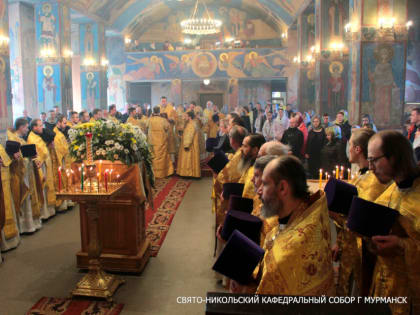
47, 52
67, 53
104, 62
409, 24
127, 40
4, 40
89, 62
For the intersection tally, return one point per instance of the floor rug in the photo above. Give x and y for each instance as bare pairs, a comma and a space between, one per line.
168, 193
57, 306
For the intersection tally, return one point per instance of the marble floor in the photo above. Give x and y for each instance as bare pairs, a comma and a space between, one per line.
44, 264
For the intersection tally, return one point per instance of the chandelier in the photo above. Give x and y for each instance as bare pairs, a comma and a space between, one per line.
201, 26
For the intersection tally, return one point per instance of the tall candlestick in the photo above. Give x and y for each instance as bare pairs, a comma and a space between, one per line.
82, 177
100, 169
59, 179
337, 172
320, 178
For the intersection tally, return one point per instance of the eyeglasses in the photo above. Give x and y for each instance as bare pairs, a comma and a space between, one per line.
374, 160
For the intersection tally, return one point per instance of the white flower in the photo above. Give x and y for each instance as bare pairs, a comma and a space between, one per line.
134, 147
126, 151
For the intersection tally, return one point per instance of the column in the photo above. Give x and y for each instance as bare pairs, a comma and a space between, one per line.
6, 116
331, 54
377, 36
117, 89
94, 66
53, 51
306, 40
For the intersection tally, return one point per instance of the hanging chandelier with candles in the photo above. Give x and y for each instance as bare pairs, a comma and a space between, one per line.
201, 26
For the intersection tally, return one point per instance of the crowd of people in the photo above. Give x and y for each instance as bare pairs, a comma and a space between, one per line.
295, 231
271, 153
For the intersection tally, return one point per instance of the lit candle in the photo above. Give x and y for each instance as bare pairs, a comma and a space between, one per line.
337, 172
106, 180
100, 169
72, 179
59, 179
90, 179
82, 176
320, 178
342, 173
110, 175
348, 174
68, 180
118, 178
97, 179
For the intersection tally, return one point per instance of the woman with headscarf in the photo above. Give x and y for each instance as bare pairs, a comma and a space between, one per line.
316, 141
281, 123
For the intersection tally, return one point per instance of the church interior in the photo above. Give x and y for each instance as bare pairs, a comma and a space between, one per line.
194, 156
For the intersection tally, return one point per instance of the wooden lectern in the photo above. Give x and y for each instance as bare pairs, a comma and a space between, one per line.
121, 226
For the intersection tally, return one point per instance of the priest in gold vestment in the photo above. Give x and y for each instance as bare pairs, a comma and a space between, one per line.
189, 150
44, 158
397, 272
297, 258
158, 130
26, 183
10, 237
369, 188
169, 111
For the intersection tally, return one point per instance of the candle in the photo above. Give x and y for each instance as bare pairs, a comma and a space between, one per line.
320, 178
90, 179
348, 174
106, 180
100, 169
334, 174
72, 179
110, 175
82, 176
59, 179
337, 172
118, 178
68, 180
97, 179
342, 173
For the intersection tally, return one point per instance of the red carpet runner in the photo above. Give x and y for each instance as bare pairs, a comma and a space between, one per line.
168, 193
55, 306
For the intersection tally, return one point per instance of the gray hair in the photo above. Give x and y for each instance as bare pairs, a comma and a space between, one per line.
238, 134
263, 161
276, 148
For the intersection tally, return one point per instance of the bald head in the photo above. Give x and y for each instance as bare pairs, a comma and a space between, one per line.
274, 148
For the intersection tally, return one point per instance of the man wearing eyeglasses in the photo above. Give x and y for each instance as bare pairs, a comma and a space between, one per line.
397, 271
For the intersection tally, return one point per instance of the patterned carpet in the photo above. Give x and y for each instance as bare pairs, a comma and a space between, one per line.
56, 306
168, 193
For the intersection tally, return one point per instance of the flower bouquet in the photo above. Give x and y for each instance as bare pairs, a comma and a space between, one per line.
112, 141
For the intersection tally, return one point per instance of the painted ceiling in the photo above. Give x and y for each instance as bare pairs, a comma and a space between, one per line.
131, 16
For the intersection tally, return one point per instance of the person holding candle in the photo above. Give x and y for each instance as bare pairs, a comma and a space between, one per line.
28, 195
369, 188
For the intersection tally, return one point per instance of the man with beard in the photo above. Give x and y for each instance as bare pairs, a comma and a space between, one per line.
25, 176
397, 271
297, 258
249, 151
44, 158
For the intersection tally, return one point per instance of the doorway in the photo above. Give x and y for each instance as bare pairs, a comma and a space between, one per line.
216, 98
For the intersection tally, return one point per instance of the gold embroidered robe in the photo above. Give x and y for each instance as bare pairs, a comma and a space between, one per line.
189, 161
229, 174
299, 261
368, 188
246, 179
268, 223
21, 168
43, 156
10, 224
158, 128
170, 111
399, 275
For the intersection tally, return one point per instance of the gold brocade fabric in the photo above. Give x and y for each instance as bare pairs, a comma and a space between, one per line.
298, 261
368, 188
212, 128
43, 155
29, 169
55, 165
229, 174
249, 188
172, 115
62, 149
399, 274
10, 226
158, 128
189, 161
